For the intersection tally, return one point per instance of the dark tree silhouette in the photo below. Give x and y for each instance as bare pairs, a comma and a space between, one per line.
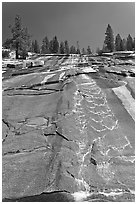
118, 43
109, 39
32, 46
36, 47
55, 45
83, 51
51, 46
124, 44
89, 50
62, 48
129, 43
45, 46
72, 50
66, 47
133, 43
20, 37
78, 48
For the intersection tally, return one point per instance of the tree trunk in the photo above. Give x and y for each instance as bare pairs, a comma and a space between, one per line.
17, 54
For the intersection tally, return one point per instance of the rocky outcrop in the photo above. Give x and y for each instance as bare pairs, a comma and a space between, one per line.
64, 136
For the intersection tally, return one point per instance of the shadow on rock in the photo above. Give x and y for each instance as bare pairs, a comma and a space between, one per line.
44, 197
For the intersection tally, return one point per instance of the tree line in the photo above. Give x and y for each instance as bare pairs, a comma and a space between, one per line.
117, 44
21, 42
54, 46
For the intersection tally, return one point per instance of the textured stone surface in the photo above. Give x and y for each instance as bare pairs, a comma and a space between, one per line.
66, 132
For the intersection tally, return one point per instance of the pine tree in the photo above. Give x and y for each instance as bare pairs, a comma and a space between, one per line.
124, 44
83, 51
51, 46
45, 46
118, 43
121, 45
26, 43
129, 43
72, 50
66, 47
78, 49
62, 48
55, 45
20, 37
36, 47
109, 39
133, 44
89, 50
32, 46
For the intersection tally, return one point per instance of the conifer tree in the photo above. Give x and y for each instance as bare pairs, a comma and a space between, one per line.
45, 46
26, 43
20, 37
66, 47
51, 46
83, 51
62, 48
32, 46
78, 49
124, 44
55, 45
89, 50
133, 44
36, 47
129, 43
72, 50
118, 43
109, 39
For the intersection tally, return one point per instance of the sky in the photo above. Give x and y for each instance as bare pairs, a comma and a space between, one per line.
85, 22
